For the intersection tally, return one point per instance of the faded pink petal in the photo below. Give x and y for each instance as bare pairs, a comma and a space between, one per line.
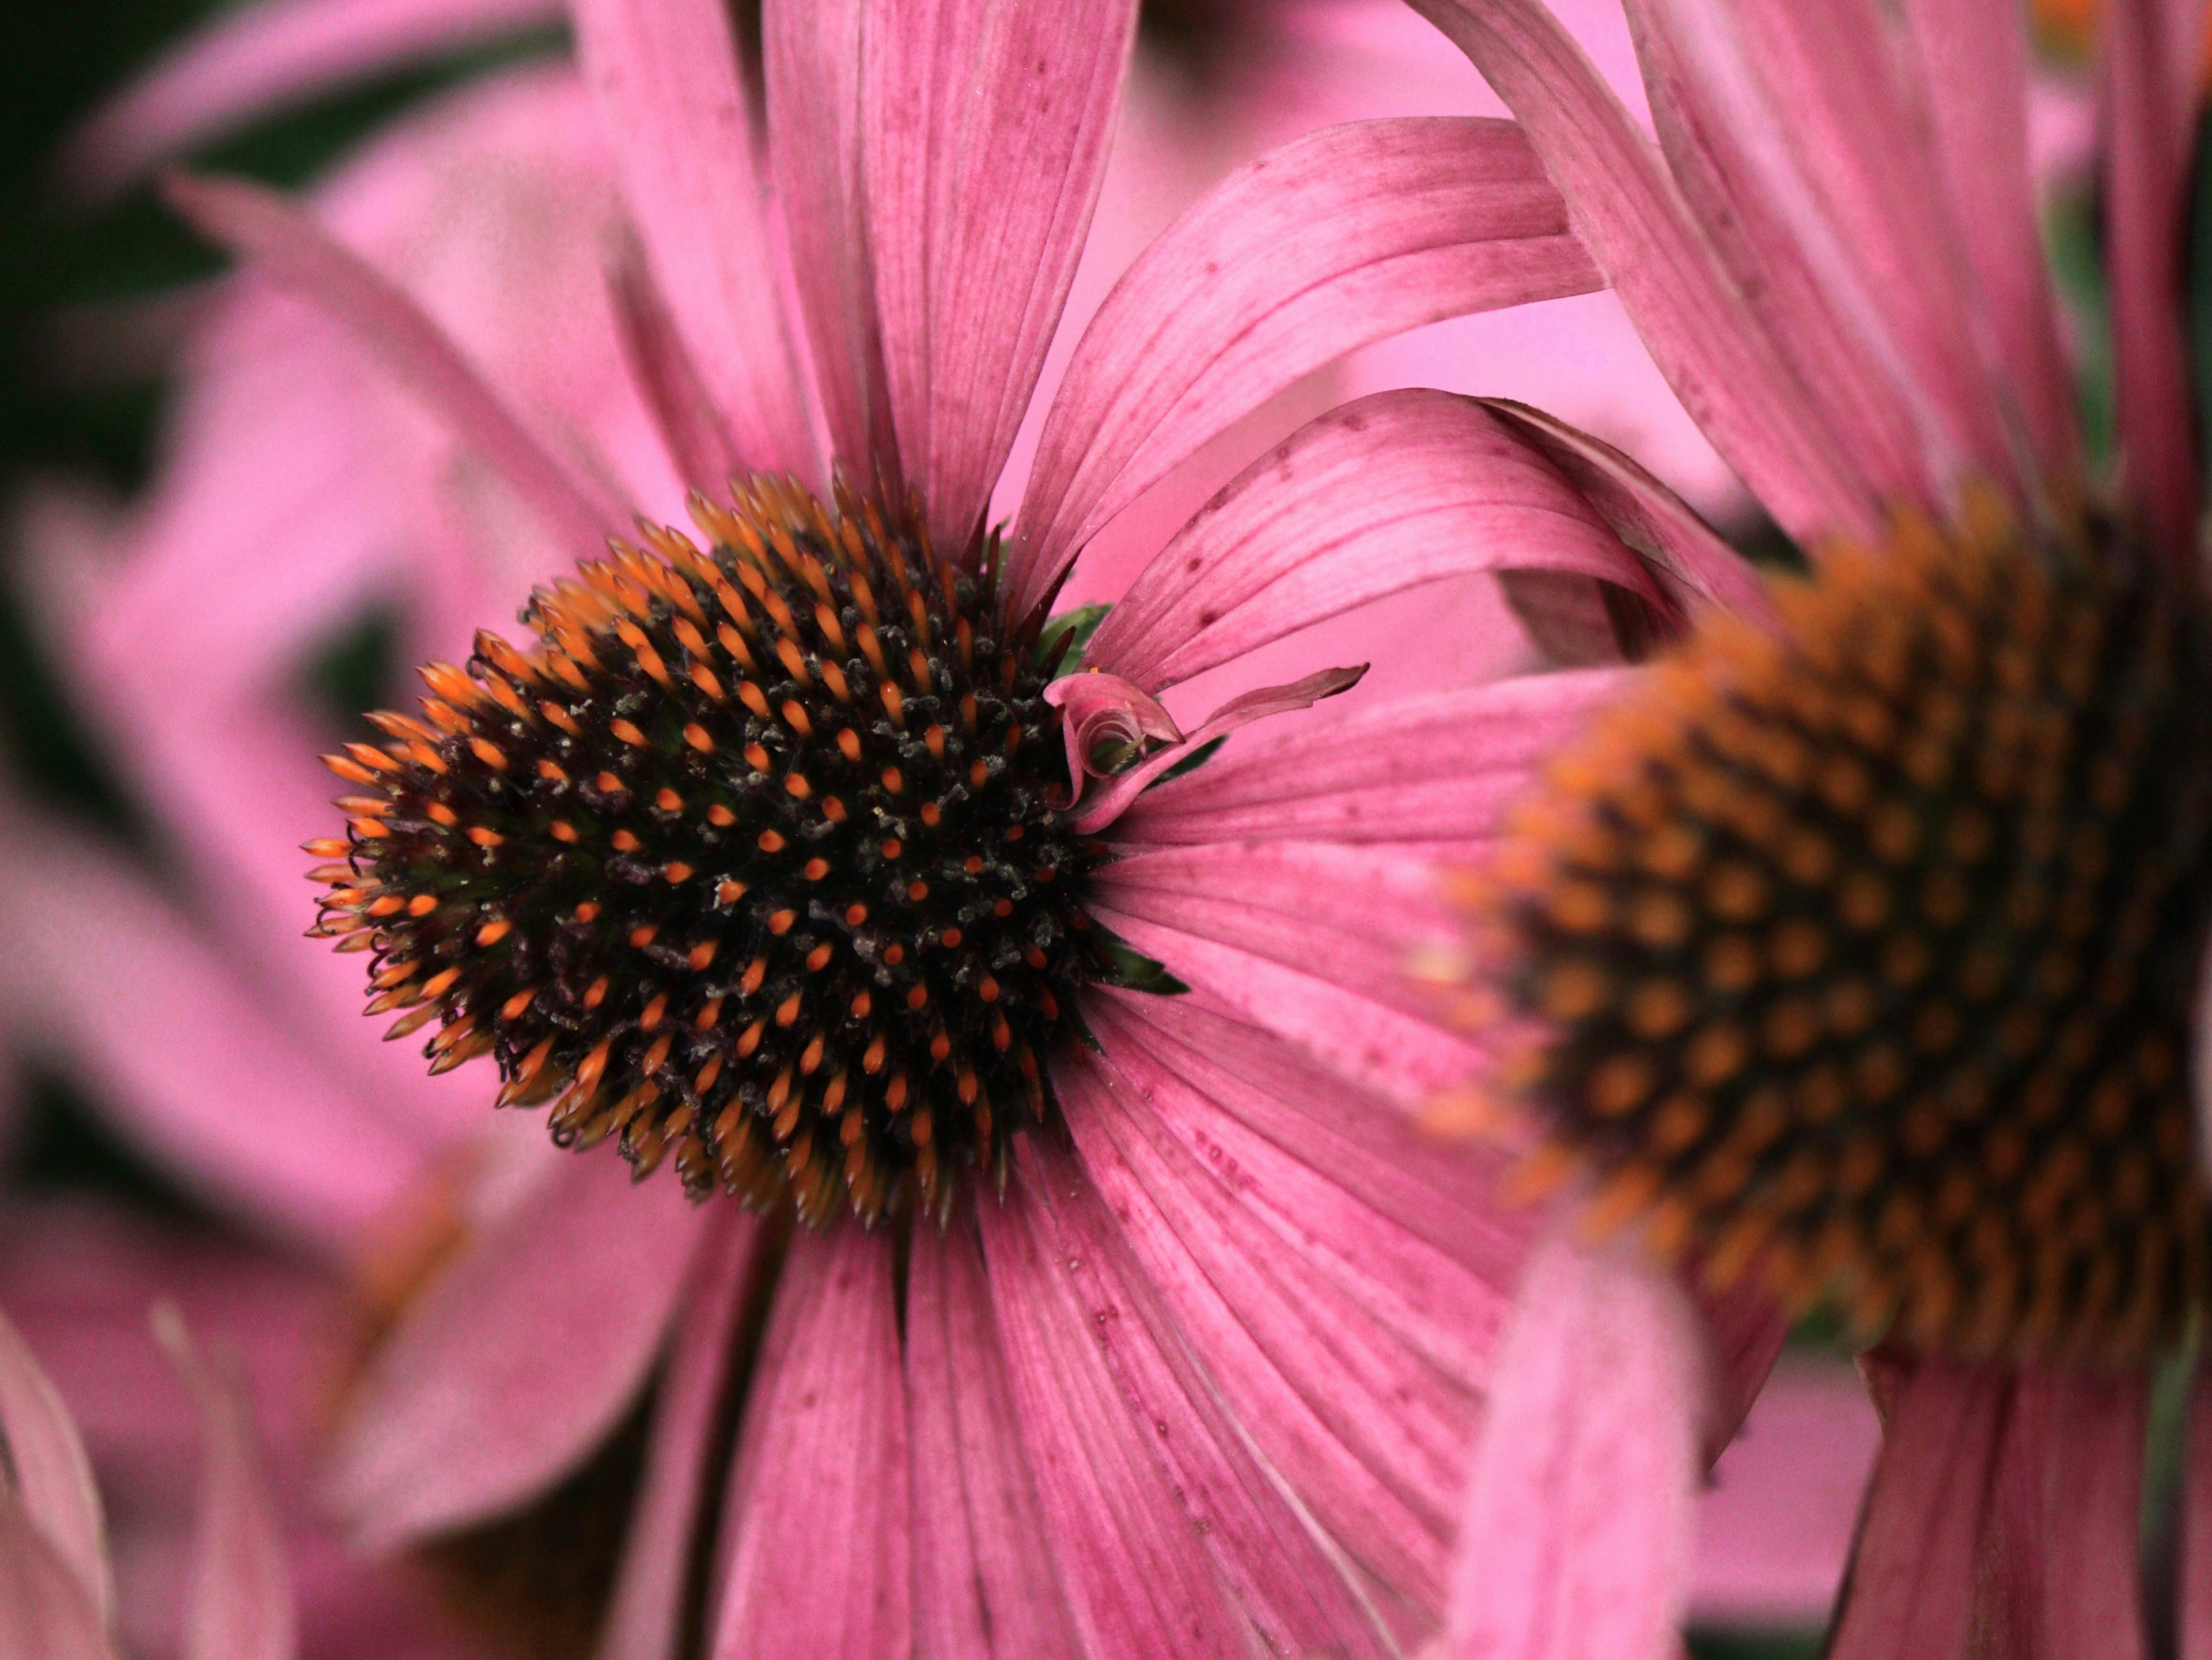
45, 1480
1577, 1530
1395, 490
646, 1619
1689, 314
45, 1613
262, 225
1106, 722
1334, 241
984, 1579
1913, 1577
519, 1357
240, 1605
819, 1553
671, 99
984, 128
262, 56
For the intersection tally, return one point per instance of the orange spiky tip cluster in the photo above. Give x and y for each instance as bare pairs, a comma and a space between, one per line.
749, 860
1867, 953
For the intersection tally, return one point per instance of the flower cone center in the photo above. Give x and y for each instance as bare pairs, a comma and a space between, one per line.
1868, 953
749, 861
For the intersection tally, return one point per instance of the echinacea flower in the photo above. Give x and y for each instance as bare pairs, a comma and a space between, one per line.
56, 1584
1091, 1298
1855, 948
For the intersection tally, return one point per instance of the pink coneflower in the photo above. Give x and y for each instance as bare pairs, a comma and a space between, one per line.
1090, 1297
1858, 947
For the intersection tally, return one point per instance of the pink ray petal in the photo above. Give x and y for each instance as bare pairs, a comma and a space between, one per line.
1239, 711
2195, 1571
1440, 769
698, 441
45, 1611
1973, 55
984, 126
1744, 1330
1336, 240
519, 1357
812, 57
645, 1620
672, 98
819, 1553
240, 1605
262, 225
1398, 489
2146, 188
984, 1580
1911, 1588
2082, 1459
1700, 330
258, 59
1576, 1534
1581, 622
1099, 709
1151, 1410
46, 1478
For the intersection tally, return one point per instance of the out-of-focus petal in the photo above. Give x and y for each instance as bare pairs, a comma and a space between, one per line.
1576, 1539
258, 59
240, 1602
1700, 330
1744, 1330
984, 1581
45, 1613
697, 439
262, 225
645, 1620
811, 52
1334, 241
2092, 1470
672, 98
2146, 186
1397, 489
984, 128
45, 1475
819, 1561
1912, 1586
2195, 1571
520, 1357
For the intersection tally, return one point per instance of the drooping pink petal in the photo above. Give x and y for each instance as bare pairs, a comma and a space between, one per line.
1106, 721
1576, 1534
1338, 239
1911, 1587
818, 1559
258, 59
1581, 622
984, 1580
1745, 1329
646, 1619
698, 441
1691, 315
1427, 772
2145, 199
46, 1478
45, 1610
240, 1601
262, 225
2091, 1468
1973, 56
1163, 1456
1242, 710
672, 98
810, 51
520, 1356
1397, 489
2195, 1548
984, 127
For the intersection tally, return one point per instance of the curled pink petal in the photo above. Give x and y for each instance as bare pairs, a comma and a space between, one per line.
262, 225
45, 1476
45, 1610
260, 58
240, 1606
672, 96
1107, 721
1336, 240
1577, 1529
984, 128
1112, 801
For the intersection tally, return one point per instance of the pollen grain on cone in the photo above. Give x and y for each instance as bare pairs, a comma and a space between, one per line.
748, 860
1868, 953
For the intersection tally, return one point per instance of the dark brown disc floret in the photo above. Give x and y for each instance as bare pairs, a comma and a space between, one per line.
750, 860
1868, 951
